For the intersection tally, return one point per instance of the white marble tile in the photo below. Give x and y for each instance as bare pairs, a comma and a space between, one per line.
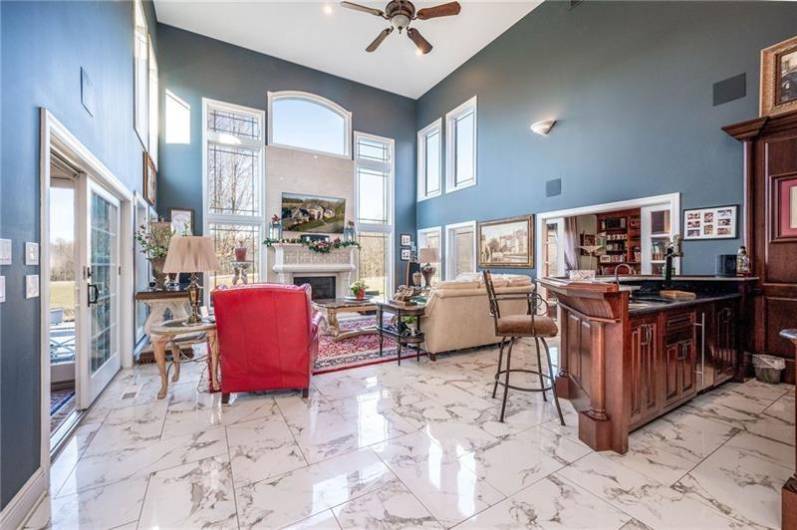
262, 448
439, 475
139, 460
103, 507
522, 459
392, 506
643, 498
552, 502
128, 426
289, 498
743, 479
321, 521
67, 458
195, 495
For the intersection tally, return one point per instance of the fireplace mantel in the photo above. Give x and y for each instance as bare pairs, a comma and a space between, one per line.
294, 259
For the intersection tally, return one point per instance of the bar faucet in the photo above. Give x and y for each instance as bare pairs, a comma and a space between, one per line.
673, 251
629, 269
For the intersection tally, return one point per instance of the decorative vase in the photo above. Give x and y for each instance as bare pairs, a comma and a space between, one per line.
158, 276
240, 253
360, 295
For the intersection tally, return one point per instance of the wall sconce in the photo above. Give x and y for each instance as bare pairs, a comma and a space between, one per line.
543, 127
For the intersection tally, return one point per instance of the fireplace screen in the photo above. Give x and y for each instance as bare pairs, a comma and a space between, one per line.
323, 286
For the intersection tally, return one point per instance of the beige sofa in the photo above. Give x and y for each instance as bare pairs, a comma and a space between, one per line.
457, 314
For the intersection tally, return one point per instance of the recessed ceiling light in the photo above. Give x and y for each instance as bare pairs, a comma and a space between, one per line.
327, 9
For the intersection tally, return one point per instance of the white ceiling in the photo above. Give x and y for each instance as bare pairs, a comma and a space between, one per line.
330, 38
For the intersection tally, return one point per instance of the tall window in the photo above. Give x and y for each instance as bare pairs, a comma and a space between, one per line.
461, 146
177, 119
145, 74
460, 249
433, 238
374, 170
233, 185
430, 160
310, 122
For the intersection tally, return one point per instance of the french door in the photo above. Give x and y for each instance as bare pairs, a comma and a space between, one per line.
98, 339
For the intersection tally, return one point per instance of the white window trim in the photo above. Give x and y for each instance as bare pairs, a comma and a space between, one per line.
388, 228
208, 218
433, 230
320, 100
436, 125
449, 246
169, 95
451, 117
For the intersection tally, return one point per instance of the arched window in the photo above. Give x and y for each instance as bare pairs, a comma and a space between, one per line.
306, 121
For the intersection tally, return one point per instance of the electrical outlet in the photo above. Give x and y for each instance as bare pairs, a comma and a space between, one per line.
32, 286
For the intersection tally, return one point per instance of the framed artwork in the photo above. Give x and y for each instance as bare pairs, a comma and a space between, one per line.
150, 180
405, 240
507, 243
31, 253
182, 220
406, 254
718, 222
785, 208
779, 78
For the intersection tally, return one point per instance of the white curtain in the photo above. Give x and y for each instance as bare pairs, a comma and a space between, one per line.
571, 244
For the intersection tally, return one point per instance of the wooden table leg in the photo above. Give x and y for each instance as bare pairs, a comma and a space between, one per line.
159, 351
213, 352
176, 358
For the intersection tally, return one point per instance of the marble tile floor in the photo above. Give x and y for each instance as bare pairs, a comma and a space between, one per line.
416, 446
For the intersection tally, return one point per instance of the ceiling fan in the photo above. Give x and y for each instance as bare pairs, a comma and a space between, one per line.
401, 13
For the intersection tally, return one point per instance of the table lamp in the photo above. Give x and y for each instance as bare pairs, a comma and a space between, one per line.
428, 255
194, 255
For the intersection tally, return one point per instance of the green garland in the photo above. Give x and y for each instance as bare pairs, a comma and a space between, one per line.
322, 247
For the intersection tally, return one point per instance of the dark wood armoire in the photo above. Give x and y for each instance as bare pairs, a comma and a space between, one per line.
770, 231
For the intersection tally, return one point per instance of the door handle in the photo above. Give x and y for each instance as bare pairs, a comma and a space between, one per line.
96, 291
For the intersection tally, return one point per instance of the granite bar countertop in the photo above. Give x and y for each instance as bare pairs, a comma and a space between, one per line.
657, 306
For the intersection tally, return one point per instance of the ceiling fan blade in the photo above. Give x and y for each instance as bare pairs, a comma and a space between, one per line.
364, 9
443, 10
416, 37
379, 38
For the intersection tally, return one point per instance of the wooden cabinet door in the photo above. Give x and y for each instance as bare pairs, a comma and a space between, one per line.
678, 379
644, 362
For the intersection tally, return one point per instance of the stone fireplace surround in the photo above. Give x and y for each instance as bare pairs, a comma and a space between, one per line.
293, 259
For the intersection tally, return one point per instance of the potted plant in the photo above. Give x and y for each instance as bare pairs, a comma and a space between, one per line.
410, 324
358, 289
154, 241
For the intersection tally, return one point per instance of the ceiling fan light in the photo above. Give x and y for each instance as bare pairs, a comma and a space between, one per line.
400, 21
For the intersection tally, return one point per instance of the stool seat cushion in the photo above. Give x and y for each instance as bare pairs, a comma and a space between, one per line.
521, 326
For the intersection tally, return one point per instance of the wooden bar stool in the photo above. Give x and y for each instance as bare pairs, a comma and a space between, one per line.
511, 327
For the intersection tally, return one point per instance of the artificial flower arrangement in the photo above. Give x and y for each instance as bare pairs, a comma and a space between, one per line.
358, 289
322, 247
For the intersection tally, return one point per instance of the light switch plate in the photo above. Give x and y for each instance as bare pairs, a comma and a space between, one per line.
31, 253
5, 252
32, 286
2, 289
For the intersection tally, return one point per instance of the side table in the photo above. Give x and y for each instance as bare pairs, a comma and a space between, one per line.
163, 305
171, 331
400, 310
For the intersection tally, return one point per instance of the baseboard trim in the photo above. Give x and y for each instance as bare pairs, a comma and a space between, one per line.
21, 506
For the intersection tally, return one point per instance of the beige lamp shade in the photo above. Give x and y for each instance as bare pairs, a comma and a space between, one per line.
428, 255
191, 254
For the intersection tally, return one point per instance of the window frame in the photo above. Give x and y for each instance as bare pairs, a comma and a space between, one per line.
388, 227
469, 106
168, 95
435, 126
438, 230
258, 145
449, 247
153, 101
318, 100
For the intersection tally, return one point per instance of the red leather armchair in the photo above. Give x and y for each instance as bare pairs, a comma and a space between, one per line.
267, 337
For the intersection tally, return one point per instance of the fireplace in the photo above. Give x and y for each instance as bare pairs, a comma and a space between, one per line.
323, 286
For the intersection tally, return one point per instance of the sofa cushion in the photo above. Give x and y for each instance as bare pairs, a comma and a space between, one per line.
521, 326
457, 284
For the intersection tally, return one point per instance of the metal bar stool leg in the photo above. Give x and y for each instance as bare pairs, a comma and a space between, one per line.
500, 362
506, 379
539, 369
553, 384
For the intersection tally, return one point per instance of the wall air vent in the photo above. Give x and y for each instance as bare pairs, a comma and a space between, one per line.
575, 3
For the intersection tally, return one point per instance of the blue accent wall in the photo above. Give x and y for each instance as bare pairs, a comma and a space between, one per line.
193, 66
630, 84
44, 45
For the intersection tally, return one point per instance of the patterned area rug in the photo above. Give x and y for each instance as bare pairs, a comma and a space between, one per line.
355, 351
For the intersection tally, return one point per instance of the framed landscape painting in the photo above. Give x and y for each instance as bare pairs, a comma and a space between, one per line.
310, 213
507, 243
779, 78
